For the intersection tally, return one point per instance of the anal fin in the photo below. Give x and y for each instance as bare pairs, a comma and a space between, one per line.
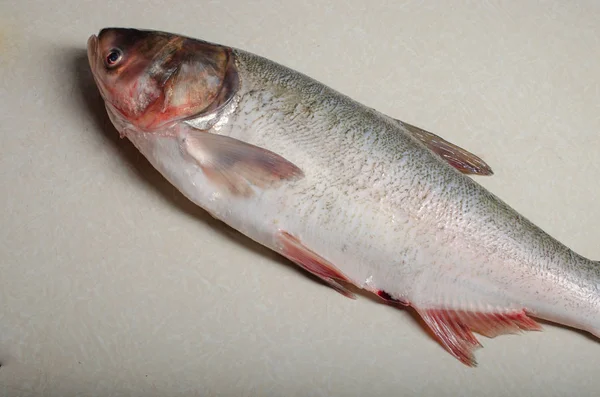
453, 328
293, 249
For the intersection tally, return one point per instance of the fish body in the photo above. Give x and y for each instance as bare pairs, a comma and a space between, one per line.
349, 194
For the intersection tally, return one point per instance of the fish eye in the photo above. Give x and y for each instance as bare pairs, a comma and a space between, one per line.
113, 57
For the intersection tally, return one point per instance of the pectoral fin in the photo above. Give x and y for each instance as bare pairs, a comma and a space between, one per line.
459, 158
236, 165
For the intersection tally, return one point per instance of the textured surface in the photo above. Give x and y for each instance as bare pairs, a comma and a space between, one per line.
111, 283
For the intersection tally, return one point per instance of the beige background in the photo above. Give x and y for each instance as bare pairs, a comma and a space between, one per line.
112, 284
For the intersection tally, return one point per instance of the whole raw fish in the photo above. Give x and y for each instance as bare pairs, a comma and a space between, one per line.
347, 193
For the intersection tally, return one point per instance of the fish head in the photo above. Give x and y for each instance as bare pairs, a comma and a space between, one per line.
150, 80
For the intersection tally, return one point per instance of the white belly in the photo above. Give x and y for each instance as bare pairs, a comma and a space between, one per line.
355, 237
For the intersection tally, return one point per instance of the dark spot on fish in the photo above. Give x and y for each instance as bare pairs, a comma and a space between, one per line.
387, 297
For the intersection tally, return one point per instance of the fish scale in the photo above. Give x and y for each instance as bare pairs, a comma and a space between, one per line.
349, 194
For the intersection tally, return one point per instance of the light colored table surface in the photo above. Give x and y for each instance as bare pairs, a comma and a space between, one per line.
112, 284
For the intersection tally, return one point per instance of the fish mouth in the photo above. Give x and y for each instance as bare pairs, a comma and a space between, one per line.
92, 50
92, 55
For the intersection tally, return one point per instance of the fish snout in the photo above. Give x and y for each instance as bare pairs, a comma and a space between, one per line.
92, 50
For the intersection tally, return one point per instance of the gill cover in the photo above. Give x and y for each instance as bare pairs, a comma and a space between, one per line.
155, 78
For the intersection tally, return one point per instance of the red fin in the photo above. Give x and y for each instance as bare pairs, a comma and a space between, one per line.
313, 263
453, 328
236, 165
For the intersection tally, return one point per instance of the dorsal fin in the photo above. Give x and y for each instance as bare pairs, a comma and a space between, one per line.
461, 159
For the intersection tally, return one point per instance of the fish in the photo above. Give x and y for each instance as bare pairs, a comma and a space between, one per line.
359, 199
